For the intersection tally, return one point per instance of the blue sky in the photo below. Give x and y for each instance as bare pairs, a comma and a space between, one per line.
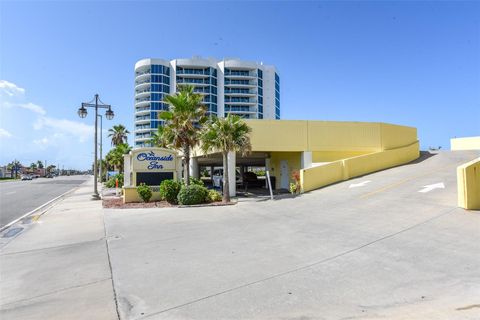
411, 63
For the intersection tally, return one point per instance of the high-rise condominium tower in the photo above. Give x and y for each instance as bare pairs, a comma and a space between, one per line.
248, 89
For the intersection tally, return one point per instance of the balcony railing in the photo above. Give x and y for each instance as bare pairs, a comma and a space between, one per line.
241, 82
242, 73
142, 81
142, 91
239, 91
142, 73
146, 108
193, 71
142, 99
239, 99
238, 109
192, 80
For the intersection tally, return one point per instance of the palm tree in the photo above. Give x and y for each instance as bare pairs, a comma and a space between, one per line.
40, 164
33, 166
118, 134
115, 156
14, 166
225, 135
183, 121
157, 139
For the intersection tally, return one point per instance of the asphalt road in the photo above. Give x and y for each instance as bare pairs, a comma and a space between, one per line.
20, 197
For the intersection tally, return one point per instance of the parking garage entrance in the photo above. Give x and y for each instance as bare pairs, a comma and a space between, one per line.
250, 172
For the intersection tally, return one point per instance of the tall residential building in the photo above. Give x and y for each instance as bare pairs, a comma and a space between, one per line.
248, 89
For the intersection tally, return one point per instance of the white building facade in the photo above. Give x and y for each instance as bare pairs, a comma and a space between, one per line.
248, 89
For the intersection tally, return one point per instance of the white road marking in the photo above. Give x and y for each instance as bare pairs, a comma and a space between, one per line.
10, 193
360, 184
430, 187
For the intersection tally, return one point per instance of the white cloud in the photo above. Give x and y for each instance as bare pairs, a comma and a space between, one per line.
42, 142
28, 106
75, 129
33, 107
55, 139
4, 133
11, 89
12, 96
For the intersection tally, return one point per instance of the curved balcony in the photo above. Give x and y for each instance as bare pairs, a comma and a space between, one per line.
142, 103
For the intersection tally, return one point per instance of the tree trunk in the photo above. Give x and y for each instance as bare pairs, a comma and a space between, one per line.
186, 154
226, 189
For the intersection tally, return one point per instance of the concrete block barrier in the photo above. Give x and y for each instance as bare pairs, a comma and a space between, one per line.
468, 185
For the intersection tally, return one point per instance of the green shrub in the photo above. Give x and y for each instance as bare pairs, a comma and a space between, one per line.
213, 196
145, 192
111, 182
293, 188
169, 190
260, 173
195, 181
192, 194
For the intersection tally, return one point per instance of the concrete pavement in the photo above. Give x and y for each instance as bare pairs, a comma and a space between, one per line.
377, 250
58, 268
383, 250
20, 197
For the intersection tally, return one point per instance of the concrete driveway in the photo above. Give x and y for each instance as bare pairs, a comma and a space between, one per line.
369, 248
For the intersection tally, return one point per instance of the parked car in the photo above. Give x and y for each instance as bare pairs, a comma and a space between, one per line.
250, 179
49, 175
26, 177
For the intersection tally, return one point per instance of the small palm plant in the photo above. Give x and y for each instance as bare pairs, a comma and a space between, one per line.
115, 157
183, 121
225, 135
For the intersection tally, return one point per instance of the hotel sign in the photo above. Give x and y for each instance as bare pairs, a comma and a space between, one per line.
154, 160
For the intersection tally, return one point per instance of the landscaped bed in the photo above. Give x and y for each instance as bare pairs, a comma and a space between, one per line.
117, 203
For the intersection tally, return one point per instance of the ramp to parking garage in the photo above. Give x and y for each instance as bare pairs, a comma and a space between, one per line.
324, 152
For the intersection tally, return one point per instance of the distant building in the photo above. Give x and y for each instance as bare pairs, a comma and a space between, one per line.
248, 89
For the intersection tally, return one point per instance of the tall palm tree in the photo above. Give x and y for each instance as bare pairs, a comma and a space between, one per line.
183, 121
118, 134
40, 164
225, 135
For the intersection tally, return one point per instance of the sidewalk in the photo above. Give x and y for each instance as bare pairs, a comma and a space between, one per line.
58, 267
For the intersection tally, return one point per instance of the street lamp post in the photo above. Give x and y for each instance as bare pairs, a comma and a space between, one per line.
82, 112
101, 155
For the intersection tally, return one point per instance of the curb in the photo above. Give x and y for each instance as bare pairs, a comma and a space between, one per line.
48, 204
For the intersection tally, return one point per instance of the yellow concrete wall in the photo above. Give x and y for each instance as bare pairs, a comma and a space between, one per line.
130, 194
357, 166
468, 185
340, 136
394, 136
329, 156
294, 164
278, 135
295, 135
467, 143
317, 177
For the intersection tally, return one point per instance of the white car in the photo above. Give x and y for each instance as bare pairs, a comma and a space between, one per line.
26, 177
